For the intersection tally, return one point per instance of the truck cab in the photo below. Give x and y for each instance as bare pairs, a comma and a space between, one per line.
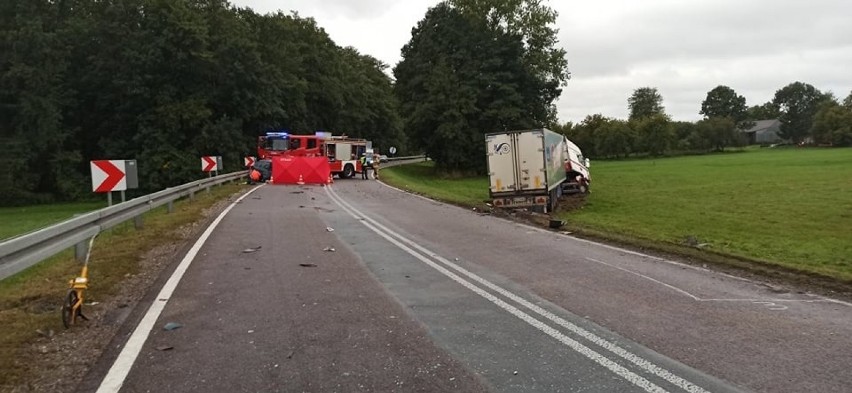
576, 170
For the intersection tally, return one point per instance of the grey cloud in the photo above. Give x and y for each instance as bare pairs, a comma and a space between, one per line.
713, 30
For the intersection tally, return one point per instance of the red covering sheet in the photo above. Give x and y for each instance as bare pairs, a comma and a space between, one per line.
300, 170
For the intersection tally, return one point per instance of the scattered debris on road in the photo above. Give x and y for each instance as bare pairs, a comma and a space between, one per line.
329, 229
307, 265
172, 326
165, 348
329, 249
252, 249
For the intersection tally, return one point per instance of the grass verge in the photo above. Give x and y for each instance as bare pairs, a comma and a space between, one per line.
30, 301
19, 220
776, 211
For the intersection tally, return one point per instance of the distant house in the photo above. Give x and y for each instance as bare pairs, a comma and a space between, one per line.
764, 132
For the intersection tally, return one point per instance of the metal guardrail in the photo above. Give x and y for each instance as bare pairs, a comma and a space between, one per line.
21, 252
407, 158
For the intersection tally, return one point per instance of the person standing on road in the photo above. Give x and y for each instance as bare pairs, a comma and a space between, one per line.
376, 162
365, 167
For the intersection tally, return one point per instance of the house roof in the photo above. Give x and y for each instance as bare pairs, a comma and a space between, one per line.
761, 125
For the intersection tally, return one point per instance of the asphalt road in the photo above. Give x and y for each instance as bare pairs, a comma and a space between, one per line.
422, 296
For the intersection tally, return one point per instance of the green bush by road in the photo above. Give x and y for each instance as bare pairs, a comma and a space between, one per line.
787, 207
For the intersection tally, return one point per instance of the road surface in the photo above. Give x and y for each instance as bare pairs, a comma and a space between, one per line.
359, 287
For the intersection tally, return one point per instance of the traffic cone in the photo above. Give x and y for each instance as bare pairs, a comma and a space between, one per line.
301, 180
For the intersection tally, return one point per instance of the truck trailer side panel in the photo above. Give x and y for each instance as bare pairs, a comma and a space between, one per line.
525, 168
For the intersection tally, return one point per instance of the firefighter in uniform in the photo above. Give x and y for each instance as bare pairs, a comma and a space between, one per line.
365, 167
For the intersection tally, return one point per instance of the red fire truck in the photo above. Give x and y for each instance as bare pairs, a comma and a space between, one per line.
343, 152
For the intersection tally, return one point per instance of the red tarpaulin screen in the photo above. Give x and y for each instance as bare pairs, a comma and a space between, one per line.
300, 170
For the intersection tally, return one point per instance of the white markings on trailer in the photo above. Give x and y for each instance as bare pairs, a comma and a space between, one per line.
410, 246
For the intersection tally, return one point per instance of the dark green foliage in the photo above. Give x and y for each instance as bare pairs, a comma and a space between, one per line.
723, 101
832, 124
798, 103
645, 102
614, 138
767, 111
165, 82
715, 133
462, 77
654, 134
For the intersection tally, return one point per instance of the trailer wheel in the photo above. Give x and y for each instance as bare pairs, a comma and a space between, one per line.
348, 171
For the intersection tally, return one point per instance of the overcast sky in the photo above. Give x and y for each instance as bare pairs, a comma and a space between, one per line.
684, 48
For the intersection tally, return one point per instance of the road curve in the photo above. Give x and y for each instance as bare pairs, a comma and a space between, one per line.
422, 296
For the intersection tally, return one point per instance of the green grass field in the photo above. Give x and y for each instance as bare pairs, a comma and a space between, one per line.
18, 220
787, 207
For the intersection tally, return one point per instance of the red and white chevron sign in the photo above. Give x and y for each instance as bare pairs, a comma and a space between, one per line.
108, 175
209, 163
249, 161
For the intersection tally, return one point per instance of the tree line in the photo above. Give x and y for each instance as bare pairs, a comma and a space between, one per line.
806, 114
165, 82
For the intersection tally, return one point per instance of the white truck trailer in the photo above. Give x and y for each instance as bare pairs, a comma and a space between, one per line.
526, 168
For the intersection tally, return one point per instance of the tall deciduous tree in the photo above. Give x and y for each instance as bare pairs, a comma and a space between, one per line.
723, 101
798, 103
458, 80
534, 23
645, 102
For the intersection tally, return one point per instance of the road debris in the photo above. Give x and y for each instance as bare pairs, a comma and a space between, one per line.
329, 249
165, 348
307, 265
329, 229
172, 326
252, 249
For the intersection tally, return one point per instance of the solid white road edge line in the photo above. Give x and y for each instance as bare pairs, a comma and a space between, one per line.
578, 347
626, 251
118, 372
698, 299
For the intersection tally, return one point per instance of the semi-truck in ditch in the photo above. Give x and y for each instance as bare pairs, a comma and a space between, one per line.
534, 168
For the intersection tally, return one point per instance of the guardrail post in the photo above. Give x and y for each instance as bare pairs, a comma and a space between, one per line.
171, 206
191, 195
137, 222
80, 250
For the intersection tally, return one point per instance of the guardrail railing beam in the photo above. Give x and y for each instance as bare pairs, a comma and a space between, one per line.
21, 252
